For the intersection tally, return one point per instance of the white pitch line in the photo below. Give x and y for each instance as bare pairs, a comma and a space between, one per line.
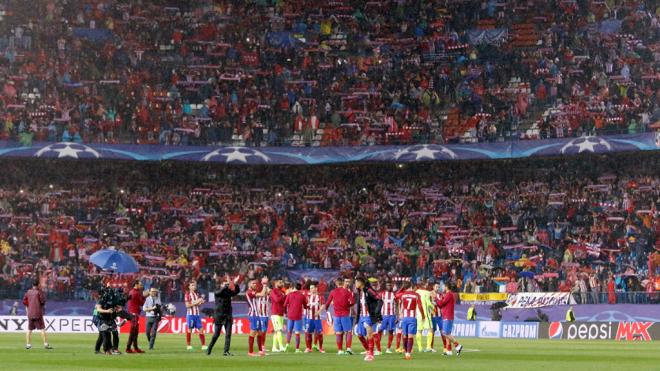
470, 350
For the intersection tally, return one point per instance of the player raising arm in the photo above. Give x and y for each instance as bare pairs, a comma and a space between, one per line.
257, 325
263, 302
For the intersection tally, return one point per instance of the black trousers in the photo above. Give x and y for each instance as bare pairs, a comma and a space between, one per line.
109, 339
220, 322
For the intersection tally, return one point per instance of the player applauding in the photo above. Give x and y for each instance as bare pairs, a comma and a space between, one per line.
255, 316
193, 303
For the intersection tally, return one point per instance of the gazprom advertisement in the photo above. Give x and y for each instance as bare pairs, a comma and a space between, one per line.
496, 330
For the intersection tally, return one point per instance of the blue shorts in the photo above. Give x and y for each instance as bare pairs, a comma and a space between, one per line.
294, 325
264, 321
436, 323
363, 322
257, 324
409, 326
343, 324
388, 323
447, 326
313, 325
194, 321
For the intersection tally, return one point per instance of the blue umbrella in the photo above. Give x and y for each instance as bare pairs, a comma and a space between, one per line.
114, 260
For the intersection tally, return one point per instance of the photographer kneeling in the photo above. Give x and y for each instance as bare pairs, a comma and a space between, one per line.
153, 310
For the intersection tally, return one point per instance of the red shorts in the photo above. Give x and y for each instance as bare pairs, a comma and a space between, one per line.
36, 323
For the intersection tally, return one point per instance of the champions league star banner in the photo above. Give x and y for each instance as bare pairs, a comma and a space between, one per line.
336, 155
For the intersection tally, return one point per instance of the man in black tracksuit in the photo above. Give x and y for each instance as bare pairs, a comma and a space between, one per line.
226, 290
369, 312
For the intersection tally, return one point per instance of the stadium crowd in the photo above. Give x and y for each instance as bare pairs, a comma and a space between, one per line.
526, 225
342, 72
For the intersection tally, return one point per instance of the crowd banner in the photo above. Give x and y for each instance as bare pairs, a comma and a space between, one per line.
615, 330
488, 297
335, 155
539, 299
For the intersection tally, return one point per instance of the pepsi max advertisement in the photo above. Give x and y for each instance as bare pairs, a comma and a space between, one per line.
622, 331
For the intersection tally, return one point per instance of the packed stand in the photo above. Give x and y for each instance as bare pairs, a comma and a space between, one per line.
333, 73
514, 226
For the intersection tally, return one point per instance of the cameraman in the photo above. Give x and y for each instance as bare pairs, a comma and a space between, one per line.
153, 310
108, 308
226, 290
108, 334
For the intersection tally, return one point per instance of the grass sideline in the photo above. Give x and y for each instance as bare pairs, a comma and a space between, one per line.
75, 352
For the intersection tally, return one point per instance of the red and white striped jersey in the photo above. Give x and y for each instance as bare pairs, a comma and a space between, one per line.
364, 310
389, 303
262, 306
436, 309
409, 301
251, 297
314, 303
190, 297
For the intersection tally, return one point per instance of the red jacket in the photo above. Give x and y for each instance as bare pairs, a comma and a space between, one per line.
277, 298
135, 301
34, 300
294, 304
446, 305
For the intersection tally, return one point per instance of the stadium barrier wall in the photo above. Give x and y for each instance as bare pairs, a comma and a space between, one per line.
618, 330
583, 312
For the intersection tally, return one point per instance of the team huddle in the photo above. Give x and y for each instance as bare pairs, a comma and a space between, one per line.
365, 308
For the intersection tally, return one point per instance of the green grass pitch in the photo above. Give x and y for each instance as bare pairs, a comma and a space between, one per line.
75, 352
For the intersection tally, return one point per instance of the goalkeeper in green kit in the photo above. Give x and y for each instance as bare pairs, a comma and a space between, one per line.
424, 323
